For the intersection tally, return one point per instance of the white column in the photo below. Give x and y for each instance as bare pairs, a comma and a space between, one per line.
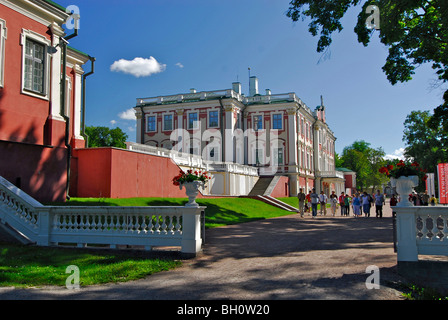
139, 116
77, 92
406, 234
55, 79
292, 139
180, 127
191, 231
228, 133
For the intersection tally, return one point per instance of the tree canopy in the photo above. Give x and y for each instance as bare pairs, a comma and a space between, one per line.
415, 31
106, 137
366, 162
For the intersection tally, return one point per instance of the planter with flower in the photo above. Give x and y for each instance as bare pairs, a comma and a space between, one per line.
192, 181
404, 177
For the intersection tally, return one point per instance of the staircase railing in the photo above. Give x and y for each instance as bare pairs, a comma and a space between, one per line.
114, 226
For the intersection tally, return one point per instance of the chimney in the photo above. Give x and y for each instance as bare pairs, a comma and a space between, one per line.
236, 86
253, 86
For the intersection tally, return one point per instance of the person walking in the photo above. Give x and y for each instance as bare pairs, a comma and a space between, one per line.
308, 202
379, 202
393, 201
301, 197
333, 202
425, 199
347, 201
433, 200
357, 205
342, 203
323, 203
314, 202
365, 201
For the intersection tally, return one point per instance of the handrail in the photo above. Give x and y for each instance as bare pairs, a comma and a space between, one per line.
421, 230
113, 226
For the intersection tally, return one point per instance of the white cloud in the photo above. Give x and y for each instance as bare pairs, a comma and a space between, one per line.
139, 67
180, 65
398, 154
127, 115
113, 122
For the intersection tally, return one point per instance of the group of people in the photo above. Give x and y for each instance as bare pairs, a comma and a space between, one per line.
360, 202
422, 199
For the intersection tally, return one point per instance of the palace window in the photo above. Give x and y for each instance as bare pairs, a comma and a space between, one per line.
193, 122
168, 122
35, 64
213, 119
277, 121
258, 122
151, 124
34, 67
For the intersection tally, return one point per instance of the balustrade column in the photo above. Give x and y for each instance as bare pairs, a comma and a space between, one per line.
406, 234
191, 230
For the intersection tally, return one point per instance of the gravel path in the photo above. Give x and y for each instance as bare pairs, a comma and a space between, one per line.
281, 258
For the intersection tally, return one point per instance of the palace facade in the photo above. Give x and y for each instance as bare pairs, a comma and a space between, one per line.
278, 134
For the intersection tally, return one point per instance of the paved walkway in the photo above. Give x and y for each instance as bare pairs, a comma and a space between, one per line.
282, 258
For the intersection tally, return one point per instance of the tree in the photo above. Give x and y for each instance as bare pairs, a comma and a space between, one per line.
366, 162
424, 144
106, 137
415, 31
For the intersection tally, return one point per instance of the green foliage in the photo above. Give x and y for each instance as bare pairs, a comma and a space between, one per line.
219, 212
106, 137
25, 266
415, 31
366, 162
425, 143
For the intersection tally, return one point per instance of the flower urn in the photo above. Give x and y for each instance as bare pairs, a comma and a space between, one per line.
192, 190
404, 186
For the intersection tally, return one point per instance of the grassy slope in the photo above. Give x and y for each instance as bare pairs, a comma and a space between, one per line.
219, 212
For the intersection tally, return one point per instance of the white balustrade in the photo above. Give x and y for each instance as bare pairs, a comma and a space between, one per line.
421, 230
113, 226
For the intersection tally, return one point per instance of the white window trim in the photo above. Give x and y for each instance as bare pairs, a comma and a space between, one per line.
172, 121
147, 123
196, 124
29, 34
68, 96
3, 37
272, 120
208, 118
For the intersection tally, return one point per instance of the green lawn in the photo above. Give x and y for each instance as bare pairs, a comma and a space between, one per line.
219, 212
25, 266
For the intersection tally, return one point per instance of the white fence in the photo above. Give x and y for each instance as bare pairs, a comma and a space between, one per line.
112, 226
421, 230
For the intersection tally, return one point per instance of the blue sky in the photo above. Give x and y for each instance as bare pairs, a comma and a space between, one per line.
208, 44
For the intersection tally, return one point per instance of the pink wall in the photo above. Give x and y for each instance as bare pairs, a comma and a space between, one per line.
282, 188
119, 173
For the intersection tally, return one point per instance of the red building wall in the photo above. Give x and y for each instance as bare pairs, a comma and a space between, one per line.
32, 144
22, 117
119, 173
282, 188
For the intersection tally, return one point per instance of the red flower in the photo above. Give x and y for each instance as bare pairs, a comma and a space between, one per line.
390, 167
401, 163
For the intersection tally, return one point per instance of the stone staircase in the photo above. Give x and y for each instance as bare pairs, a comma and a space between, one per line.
262, 191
